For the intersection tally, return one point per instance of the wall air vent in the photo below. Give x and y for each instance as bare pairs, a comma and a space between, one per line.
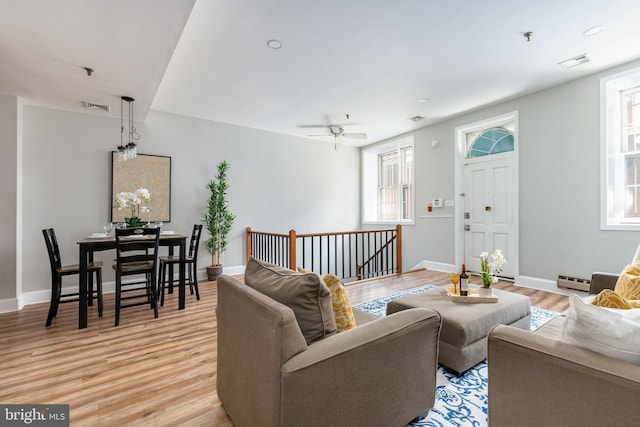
92, 106
574, 62
416, 118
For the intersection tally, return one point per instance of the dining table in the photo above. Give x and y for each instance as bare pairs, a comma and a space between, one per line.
101, 242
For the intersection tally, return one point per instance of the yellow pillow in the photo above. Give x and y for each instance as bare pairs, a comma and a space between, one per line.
610, 299
628, 284
342, 310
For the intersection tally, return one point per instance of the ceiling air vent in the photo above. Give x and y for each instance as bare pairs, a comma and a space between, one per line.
574, 62
92, 106
416, 118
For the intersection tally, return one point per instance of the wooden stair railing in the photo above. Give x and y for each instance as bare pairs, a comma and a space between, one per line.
347, 254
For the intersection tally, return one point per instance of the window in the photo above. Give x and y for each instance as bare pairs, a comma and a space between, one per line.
620, 121
491, 141
388, 182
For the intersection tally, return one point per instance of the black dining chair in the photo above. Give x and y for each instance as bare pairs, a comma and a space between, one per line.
191, 265
136, 255
58, 271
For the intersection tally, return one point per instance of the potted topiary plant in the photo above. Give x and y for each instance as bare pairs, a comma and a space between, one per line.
218, 220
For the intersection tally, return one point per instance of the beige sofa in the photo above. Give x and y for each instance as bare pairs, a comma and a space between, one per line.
535, 379
382, 373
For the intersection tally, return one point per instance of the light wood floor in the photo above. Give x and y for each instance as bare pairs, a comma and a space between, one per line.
368, 290
146, 372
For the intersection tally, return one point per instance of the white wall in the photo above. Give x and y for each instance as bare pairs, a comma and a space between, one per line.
559, 185
277, 182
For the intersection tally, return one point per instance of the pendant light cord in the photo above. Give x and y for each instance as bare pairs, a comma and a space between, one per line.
133, 134
121, 122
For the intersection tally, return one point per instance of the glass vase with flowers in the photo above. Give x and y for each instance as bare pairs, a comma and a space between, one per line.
490, 267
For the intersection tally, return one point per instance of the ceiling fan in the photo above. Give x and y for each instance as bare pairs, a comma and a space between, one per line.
339, 133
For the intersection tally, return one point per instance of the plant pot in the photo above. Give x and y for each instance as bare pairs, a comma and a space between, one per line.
485, 292
135, 222
213, 272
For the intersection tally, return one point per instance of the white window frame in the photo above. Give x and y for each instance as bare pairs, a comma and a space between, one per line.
370, 179
612, 157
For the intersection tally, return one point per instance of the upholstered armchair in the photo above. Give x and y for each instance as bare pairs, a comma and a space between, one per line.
381, 373
579, 369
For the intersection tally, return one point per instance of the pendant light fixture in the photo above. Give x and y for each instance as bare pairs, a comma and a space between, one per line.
127, 151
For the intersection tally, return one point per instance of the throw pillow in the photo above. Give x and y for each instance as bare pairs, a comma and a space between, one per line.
628, 284
342, 310
608, 298
602, 330
305, 294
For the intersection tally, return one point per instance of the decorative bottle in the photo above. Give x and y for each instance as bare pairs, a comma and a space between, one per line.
464, 282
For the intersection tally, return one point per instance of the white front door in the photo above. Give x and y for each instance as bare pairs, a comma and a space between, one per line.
489, 210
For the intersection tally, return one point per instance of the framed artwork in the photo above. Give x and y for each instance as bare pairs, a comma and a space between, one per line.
145, 171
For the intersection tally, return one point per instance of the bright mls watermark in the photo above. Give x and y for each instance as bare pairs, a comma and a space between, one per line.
34, 415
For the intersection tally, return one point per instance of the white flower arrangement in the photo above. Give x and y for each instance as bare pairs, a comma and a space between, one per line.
133, 201
490, 266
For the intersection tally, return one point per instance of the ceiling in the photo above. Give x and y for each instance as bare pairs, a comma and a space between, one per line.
372, 60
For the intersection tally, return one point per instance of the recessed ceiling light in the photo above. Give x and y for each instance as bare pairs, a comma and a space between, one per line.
574, 62
423, 100
416, 118
274, 44
594, 30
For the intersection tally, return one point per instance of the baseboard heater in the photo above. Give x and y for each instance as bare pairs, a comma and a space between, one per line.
574, 283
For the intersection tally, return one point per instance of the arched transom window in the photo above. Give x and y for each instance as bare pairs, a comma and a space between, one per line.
491, 141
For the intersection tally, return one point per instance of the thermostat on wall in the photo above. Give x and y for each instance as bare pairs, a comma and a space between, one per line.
437, 203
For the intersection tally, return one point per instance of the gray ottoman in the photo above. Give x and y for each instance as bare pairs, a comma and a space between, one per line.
463, 337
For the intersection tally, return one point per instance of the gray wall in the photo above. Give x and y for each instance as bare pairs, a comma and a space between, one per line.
277, 182
9, 194
559, 185
280, 182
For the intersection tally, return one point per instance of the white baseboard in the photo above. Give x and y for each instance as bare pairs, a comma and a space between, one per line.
546, 285
36, 297
40, 296
523, 281
11, 304
436, 266
230, 271
234, 269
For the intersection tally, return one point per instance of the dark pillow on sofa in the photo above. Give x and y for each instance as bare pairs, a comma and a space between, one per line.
306, 294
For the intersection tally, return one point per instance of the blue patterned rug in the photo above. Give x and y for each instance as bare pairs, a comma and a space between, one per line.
460, 401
